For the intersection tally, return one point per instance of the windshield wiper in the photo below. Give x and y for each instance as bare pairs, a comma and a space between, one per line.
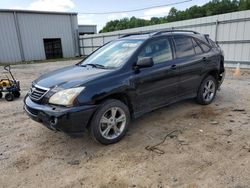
94, 65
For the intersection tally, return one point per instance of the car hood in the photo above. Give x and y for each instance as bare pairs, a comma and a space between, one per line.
70, 76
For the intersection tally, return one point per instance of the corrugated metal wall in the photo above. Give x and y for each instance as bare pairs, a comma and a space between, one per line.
232, 31
87, 29
34, 27
10, 51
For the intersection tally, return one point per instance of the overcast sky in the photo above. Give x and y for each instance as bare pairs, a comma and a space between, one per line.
99, 6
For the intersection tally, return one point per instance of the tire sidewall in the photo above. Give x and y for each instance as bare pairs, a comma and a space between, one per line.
9, 97
95, 122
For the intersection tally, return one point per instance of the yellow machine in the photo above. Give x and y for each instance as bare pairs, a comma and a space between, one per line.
9, 86
5, 83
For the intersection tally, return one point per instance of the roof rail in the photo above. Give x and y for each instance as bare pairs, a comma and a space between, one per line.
174, 30
136, 33
155, 32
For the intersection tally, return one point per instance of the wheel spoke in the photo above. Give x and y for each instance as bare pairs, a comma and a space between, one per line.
106, 131
121, 118
205, 94
105, 120
116, 130
210, 83
113, 112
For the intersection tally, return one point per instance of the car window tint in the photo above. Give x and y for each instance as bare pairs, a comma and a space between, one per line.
159, 50
184, 46
212, 43
204, 46
197, 48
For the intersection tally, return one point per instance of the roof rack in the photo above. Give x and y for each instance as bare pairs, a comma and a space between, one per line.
154, 33
136, 33
174, 30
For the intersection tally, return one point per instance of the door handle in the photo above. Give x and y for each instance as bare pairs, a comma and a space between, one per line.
173, 67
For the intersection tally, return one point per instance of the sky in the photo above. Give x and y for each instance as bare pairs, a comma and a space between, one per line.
93, 6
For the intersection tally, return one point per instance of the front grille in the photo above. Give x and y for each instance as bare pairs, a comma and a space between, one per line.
36, 93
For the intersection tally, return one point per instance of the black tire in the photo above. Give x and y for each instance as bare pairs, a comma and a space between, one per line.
96, 126
9, 97
16, 94
201, 95
1, 94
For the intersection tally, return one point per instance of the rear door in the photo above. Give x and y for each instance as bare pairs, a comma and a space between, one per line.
190, 60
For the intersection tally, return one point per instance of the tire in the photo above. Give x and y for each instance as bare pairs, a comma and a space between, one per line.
9, 97
207, 90
1, 94
110, 122
16, 94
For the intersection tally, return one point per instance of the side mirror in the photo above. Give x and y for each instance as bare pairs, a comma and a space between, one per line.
145, 62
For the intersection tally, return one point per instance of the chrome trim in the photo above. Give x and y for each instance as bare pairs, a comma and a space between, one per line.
39, 87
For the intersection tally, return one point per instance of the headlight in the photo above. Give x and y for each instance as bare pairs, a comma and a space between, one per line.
65, 97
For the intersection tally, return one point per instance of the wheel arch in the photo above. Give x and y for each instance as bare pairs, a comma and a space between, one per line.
123, 97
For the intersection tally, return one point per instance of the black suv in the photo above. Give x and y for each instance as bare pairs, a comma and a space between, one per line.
125, 79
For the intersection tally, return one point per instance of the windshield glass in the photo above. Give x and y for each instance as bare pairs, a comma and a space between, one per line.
113, 54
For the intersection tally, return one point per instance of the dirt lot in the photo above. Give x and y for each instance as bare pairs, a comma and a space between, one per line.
211, 149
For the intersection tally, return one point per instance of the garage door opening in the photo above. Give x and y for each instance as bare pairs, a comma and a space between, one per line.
53, 48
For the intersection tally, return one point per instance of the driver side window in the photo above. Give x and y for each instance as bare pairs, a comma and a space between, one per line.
159, 50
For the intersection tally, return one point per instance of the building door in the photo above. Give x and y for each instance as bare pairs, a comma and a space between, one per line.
53, 48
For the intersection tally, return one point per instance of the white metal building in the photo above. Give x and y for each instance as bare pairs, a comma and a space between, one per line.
87, 29
35, 35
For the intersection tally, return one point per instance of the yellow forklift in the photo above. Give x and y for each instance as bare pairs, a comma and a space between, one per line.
11, 87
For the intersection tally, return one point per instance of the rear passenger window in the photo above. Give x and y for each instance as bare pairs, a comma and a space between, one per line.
197, 48
204, 46
159, 50
184, 46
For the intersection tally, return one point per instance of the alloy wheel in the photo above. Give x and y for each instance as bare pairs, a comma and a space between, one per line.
112, 123
209, 90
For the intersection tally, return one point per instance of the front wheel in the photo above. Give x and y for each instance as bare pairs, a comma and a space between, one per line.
110, 122
9, 97
207, 90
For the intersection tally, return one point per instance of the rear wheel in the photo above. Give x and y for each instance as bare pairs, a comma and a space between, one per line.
16, 94
9, 97
110, 122
207, 90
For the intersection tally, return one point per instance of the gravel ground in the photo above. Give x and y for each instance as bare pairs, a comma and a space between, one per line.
210, 149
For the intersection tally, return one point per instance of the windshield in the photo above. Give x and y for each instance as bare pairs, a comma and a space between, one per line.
113, 54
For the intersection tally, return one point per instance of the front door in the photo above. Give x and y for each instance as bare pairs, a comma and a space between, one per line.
155, 86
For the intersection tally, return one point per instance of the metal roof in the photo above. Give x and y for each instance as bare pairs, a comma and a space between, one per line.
38, 12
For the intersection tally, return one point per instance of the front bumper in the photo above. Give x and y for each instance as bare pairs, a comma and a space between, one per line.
67, 119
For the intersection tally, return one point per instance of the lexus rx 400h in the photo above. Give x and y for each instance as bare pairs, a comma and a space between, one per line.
125, 79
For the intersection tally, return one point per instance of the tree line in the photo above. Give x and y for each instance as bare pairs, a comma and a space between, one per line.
213, 7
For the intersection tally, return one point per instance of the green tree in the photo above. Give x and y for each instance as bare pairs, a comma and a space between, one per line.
213, 7
244, 5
